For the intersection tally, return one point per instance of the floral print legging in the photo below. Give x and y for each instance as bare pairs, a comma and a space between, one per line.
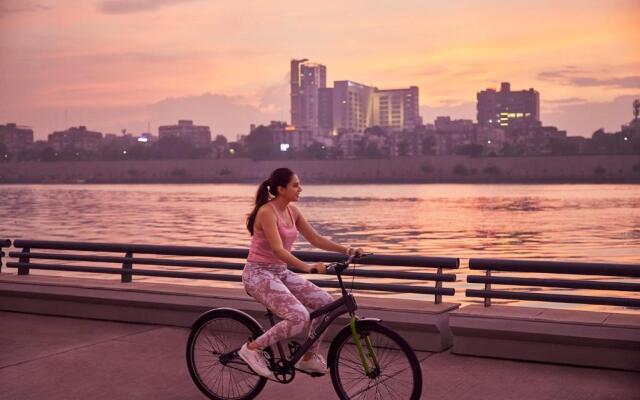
287, 295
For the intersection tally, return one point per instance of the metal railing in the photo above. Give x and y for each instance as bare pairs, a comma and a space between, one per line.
128, 261
3, 243
553, 267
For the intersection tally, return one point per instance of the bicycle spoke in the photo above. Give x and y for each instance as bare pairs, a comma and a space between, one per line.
394, 380
233, 379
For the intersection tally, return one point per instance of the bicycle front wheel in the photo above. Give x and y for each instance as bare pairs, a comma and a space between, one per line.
393, 368
212, 358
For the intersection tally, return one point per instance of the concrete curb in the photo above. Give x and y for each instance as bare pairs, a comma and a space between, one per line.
582, 338
424, 325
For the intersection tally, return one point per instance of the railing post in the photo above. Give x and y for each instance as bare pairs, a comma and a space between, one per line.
487, 286
24, 259
127, 266
438, 297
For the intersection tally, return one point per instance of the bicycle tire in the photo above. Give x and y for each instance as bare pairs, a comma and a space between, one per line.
399, 365
220, 331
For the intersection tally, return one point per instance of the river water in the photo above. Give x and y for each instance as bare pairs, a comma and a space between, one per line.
577, 222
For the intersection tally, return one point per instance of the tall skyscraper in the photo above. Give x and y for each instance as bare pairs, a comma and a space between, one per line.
296, 91
325, 111
307, 79
352, 106
348, 106
396, 109
506, 108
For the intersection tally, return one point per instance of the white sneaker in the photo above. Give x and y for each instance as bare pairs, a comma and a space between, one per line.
255, 360
315, 365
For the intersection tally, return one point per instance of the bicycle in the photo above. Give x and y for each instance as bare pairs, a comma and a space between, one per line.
365, 358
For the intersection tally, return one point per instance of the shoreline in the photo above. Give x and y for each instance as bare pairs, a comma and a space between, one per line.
405, 170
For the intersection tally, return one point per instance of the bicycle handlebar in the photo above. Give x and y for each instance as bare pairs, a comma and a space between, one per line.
338, 267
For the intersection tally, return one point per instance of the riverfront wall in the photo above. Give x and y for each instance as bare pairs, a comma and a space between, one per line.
602, 168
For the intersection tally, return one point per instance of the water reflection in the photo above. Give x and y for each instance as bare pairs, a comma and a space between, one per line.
562, 222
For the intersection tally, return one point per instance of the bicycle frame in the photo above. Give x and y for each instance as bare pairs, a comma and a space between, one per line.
346, 304
343, 305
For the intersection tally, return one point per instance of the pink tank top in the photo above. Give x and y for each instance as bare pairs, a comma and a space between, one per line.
260, 250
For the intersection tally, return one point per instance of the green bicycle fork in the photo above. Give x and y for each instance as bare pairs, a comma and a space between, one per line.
356, 340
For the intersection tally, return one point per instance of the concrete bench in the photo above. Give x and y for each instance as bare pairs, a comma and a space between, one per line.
586, 338
598, 339
423, 324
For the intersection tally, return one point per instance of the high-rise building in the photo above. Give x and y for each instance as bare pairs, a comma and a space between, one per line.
396, 109
352, 106
296, 92
348, 106
507, 108
325, 111
307, 79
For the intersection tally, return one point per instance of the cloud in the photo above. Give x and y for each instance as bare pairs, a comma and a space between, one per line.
225, 115
569, 100
574, 76
575, 115
452, 108
136, 6
12, 7
582, 119
626, 82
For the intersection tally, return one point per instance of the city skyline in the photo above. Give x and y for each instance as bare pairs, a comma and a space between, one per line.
110, 65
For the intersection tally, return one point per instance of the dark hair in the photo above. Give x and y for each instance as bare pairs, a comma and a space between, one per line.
279, 177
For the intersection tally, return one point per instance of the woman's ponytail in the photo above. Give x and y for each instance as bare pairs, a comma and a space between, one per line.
279, 177
262, 197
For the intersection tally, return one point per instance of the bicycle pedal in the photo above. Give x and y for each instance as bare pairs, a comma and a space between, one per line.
311, 374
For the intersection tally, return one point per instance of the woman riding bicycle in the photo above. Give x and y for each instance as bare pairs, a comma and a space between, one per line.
274, 224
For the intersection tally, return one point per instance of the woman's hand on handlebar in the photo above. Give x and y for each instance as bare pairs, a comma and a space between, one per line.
317, 268
354, 251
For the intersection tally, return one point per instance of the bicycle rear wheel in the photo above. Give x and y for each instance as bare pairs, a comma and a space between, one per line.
212, 358
398, 377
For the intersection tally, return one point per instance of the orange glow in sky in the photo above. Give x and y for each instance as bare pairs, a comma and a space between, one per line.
137, 63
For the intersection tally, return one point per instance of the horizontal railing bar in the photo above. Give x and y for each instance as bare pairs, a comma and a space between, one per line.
394, 260
5, 242
119, 271
556, 298
560, 283
232, 278
389, 260
418, 276
134, 260
557, 267
389, 288
224, 265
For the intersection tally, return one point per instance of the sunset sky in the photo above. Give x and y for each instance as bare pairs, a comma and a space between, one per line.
119, 64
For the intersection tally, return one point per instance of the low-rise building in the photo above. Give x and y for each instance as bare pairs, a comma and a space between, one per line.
490, 138
197, 135
15, 138
450, 134
76, 138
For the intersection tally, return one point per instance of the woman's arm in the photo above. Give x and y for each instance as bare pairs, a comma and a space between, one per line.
266, 220
317, 240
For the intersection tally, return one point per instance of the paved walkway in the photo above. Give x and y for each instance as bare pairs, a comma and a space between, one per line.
43, 357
